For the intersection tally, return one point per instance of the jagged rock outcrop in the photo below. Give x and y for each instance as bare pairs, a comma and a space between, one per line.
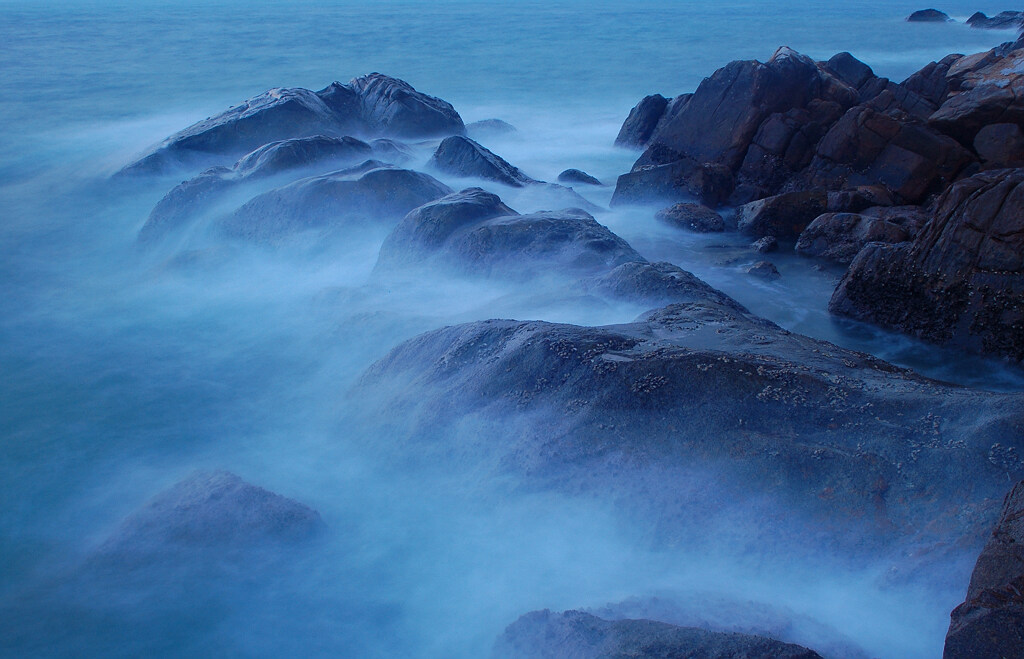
474, 232
461, 156
990, 622
694, 217
961, 282
870, 453
578, 176
1004, 20
331, 201
929, 16
371, 105
638, 127
839, 237
191, 198
544, 634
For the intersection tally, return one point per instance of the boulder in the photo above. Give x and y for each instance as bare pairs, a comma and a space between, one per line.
490, 128
577, 176
765, 245
782, 216
931, 82
638, 127
868, 147
676, 181
989, 90
929, 16
990, 622
544, 634
849, 69
331, 201
656, 284
840, 236
191, 198
207, 511
1000, 145
461, 156
961, 281
764, 270
1004, 20
866, 454
694, 217
474, 232
370, 105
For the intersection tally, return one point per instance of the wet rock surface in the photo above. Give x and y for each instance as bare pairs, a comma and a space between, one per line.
693, 217
578, 176
990, 622
461, 156
840, 237
580, 635
961, 281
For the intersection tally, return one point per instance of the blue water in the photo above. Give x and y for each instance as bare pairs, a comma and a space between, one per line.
120, 375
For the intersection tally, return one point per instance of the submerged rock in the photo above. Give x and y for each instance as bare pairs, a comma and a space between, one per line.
694, 217
961, 282
490, 128
331, 201
544, 634
193, 197
461, 156
578, 176
473, 231
990, 622
765, 245
370, 105
929, 16
765, 270
865, 453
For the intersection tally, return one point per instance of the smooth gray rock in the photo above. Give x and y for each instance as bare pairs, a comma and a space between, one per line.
461, 156
578, 176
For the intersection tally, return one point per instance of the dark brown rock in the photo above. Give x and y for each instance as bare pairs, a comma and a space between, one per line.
931, 82
764, 270
929, 16
694, 217
579, 635
642, 120
765, 245
990, 91
990, 622
961, 282
840, 236
782, 216
1000, 145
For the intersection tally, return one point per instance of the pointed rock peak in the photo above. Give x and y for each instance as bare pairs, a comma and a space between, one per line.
784, 53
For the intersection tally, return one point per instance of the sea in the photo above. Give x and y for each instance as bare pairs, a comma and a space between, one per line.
123, 370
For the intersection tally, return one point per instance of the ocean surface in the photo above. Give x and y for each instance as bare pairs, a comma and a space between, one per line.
122, 373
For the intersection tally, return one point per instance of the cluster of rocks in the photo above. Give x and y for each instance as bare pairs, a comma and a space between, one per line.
1005, 20
911, 183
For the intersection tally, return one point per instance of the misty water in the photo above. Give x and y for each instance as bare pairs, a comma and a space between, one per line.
125, 369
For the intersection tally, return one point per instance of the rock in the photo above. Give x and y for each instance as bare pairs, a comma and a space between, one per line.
766, 245
193, 197
840, 236
331, 201
370, 105
1004, 20
391, 106
656, 284
207, 511
850, 70
990, 87
694, 217
929, 16
867, 147
782, 216
474, 232
394, 152
990, 622
866, 454
1000, 145
931, 82
490, 128
543, 634
577, 176
461, 156
765, 270
961, 282
710, 183
642, 120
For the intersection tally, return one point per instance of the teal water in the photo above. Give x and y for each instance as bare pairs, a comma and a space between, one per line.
120, 374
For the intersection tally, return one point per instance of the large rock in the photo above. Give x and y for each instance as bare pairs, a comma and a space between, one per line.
840, 236
865, 454
207, 511
931, 82
474, 232
782, 216
191, 198
638, 127
929, 16
1000, 145
694, 217
371, 105
461, 156
990, 622
1004, 20
961, 282
578, 176
656, 284
579, 635
990, 90
331, 201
